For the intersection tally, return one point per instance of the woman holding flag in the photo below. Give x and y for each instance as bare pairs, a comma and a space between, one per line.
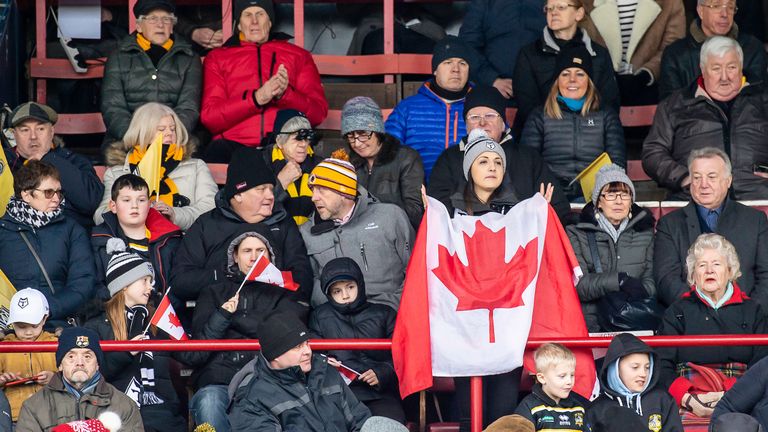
143, 376
183, 188
234, 309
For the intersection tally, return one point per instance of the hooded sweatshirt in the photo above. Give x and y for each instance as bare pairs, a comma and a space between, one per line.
653, 403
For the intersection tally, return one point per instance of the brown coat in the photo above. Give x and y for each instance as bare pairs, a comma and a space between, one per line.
54, 405
657, 24
27, 365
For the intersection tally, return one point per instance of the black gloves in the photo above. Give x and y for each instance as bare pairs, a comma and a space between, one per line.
633, 287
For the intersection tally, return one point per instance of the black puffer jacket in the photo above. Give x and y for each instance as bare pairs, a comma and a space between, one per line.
120, 368
525, 171
201, 259
535, 73
396, 177
290, 400
357, 320
570, 144
654, 404
680, 62
632, 254
689, 120
131, 80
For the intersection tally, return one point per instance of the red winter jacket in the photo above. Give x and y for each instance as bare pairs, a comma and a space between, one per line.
234, 71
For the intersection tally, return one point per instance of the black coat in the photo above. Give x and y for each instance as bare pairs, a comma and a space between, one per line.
360, 319
680, 61
692, 316
82, 187
743, 226
749, 395
525, 169
201, 259
656, 405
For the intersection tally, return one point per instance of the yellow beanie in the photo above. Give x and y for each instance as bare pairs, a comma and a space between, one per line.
335, 174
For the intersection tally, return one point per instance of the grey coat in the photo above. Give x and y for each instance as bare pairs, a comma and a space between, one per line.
378, 237
632, 254
131, 80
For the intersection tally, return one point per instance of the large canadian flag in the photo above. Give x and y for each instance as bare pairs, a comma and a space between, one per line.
264, 271
477, 288
165, 318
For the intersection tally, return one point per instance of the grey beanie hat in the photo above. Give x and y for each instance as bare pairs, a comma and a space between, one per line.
124, 268
608, 174
382, 424
478, 143
361, 113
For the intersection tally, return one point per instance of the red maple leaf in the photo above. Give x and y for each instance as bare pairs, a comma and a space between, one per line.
488, 282
174, 320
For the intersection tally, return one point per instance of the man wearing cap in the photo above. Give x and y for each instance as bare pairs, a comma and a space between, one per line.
484, 108
151, 65
431, 120
33, 130
254, 75
289, 388
77, 391
350, 222
247, 200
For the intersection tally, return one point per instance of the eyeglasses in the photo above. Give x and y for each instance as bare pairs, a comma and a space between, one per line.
727, 7
301, 134
559, 7
49, 193
613, 196
154, 19
358, 136
488, 117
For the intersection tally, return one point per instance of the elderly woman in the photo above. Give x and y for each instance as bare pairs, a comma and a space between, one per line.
187, 188
151, 65
41, 248
391, 172
571, 130
613, 242
292, 159
535, 66
714, 305
254, 75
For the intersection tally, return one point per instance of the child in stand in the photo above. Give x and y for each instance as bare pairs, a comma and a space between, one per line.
23, 374
551, 405
629, 379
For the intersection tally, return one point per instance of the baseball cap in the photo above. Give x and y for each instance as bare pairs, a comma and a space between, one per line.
28, 306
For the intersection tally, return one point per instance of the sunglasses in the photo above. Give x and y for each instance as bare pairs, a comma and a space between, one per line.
49, 193
302, 134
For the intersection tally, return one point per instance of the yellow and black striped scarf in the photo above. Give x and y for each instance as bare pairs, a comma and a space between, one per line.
298, 191
172, 155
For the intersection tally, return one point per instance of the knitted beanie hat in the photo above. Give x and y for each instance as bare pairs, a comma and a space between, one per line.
335, 173
246, 170
280, 332
107, 422
124, 268
478, 143
78, 337
361, 113
485, 96
241, 5
608, 174
574, 56
447, 48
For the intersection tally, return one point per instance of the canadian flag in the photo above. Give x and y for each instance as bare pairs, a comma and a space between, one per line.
477, 288
165, 318
264, 271
347, 374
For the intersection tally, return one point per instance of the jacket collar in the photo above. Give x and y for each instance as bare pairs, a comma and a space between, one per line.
698, 34
100, 396
223, 207
158, 226
321, 226
738, 296
234, 40
180, 44
549, 45
641, 218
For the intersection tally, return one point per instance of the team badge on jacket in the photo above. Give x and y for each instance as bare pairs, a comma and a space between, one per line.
654, 422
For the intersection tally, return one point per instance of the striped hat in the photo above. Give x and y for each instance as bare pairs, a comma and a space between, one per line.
125, 268
336, 174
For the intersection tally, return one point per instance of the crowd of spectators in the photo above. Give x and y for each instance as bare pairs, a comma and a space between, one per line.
103, 254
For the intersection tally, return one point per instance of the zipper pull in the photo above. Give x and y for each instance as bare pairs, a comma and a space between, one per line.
362, 252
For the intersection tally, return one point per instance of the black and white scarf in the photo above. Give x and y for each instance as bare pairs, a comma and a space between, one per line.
23, 213
141, 387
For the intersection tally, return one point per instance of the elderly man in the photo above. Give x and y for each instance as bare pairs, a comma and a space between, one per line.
77, 391
253, 76
431, 120
484, 108
33, 129
711, 211
350, 222
680, 62
151, 65
246, 200
722, 110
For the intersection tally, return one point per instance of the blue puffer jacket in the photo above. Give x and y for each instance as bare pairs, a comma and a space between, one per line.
65, 250
427, 124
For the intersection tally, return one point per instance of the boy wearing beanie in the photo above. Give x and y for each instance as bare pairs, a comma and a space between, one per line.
23, 374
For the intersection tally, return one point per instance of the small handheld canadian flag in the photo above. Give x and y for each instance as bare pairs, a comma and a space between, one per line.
165, 318
264, 271
347, 373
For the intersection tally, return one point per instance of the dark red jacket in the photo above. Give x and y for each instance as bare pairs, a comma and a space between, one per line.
234, 71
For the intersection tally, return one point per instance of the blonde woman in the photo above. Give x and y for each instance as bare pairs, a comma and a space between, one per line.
187, 188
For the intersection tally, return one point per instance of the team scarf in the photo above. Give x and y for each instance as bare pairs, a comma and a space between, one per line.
23, 213
172, 155
300, 205
141, 388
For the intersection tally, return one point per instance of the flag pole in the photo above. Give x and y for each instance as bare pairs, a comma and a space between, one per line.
250, 271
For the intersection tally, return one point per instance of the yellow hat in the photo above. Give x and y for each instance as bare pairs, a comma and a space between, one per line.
335, 174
